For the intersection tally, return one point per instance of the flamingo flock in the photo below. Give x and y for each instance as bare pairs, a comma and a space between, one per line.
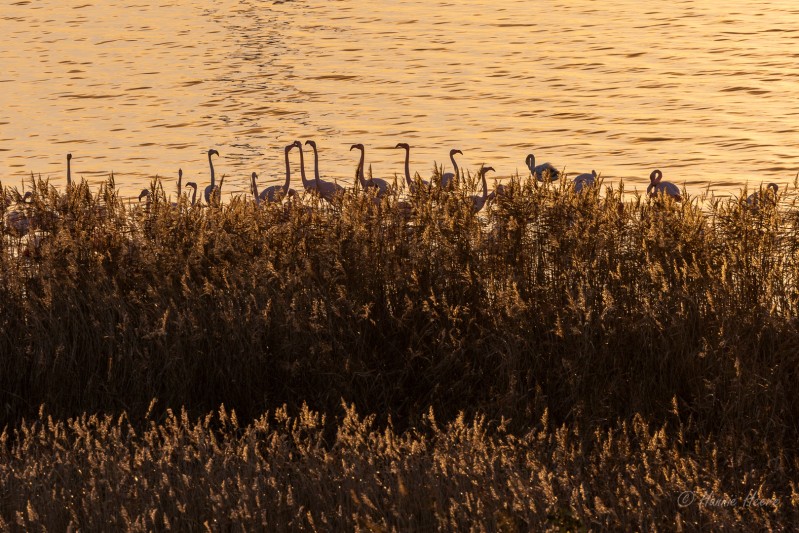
18, 217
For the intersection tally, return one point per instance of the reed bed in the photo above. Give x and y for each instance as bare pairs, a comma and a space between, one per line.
282, 472
661, 340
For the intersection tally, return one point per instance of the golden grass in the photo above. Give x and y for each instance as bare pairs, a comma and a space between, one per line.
280, 473
646, 331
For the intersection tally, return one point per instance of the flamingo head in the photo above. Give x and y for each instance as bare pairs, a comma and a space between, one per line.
28, 196
773, 187
69, 156
358, 146
455, 151
655, 177
212, 152
192, 184
529, 161
484, 170
145, 193
290, 146
180, 173
404, 146
312, 144
298, 144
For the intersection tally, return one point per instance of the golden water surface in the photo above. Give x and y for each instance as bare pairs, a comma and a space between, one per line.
707, 91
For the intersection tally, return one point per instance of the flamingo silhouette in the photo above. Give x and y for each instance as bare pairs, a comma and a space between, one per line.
379, 184
69, 171
327, 190
449, 179
18, 221
770, 193
542, 170
194, 194
479, 201
583, 181
180, 187
657, 186
276, 193
408, 180
209, 191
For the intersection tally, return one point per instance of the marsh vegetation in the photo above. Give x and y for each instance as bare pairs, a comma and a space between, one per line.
588, 357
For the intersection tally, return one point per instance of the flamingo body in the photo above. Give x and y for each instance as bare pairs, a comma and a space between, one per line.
753, 200
542, 170
326, 189
584, 181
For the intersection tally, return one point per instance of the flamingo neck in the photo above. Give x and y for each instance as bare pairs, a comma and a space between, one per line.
408, 167
359, 172
194, 196
213, 176
305, 181
485, 187
455, 166
69, 172
254, 189
315, 164
180, 182
288, 173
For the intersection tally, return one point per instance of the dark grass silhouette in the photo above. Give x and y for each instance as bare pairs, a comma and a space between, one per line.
670, 325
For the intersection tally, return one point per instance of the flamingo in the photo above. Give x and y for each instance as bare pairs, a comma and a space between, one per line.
308, 185
194, 194
180, 188
326, 189
408, 180
145, 193
583, 181
18, 221
69, 172
771, 193
449, 178
210, 189
656, 186
501, 190
539, 171
254, 188
276, 193
479, 201
380, 184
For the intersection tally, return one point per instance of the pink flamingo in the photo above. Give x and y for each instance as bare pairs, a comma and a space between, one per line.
542, 170
379, 184
209, 191
770, 193
657, 186
583, 181
408, 180
450, 179
276, 193
327, 190
479, 200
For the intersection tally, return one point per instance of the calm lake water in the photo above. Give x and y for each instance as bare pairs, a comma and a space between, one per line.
707, 91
